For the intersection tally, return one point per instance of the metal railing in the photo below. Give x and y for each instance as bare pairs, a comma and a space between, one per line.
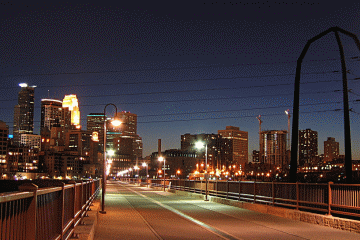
327, 198
45, 213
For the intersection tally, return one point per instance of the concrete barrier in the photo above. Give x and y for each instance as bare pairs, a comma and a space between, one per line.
86, 230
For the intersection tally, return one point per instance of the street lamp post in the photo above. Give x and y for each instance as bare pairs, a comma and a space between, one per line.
145, 165
103, 189
136, 174
163, 159
200, 145
137, 170
147, 175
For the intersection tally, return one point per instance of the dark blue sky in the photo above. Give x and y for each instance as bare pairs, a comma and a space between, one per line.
186, 66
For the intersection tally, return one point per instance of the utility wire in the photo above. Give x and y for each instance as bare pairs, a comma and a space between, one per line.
202, 119
237, 110
232, 110
199, 99
174, 81
195, 90
160, 69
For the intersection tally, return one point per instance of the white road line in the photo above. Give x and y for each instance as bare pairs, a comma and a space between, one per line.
146, 222
214, 230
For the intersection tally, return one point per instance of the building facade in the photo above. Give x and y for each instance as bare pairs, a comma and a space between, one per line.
308, 146
126, 130
24, 112
178, 163
4, 131
51, 113
274, 143
238, 142
30, 140
213, 144
71, 103
95, 123
331, 149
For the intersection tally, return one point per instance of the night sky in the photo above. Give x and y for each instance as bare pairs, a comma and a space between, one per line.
185, 66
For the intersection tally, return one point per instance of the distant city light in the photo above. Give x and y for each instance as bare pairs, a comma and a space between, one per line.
23, 84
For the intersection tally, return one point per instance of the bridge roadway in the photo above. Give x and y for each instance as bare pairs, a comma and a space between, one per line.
138, 212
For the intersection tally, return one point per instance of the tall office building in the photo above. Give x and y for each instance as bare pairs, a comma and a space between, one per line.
274, 142
4, 131
308, 146
24, 112
51, 113
127, 129
239, 144
71, 103
128, 123
95, 123
331, 149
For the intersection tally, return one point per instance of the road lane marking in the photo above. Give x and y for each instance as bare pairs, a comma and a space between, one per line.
214, 230
146, 222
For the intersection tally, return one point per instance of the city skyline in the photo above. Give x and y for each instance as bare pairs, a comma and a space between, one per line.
184, 70
72, 97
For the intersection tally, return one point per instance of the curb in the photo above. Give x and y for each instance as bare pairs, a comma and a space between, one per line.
86, 231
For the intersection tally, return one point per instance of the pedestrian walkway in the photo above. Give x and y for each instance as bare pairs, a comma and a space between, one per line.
134, 212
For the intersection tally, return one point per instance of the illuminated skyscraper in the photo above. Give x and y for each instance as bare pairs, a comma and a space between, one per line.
51, 113
308, 146
274, 142
71, 103
4, 131
24, 112
239, 144
331, 149
95, 123
127, 129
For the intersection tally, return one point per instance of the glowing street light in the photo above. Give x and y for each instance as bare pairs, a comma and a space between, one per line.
163, 159
145, 165
137, 169
103, 190
200, 145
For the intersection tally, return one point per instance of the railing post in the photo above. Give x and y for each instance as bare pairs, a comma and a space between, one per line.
239, 190
75, 202
83, 194
273, 192
227, 189
329, 198
62, 203
297, 195
216, 187
254, 191
30, 221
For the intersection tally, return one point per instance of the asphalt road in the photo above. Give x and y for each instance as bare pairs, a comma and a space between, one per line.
135, 212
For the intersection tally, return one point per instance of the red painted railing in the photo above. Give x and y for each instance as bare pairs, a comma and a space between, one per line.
45, 213
328, 198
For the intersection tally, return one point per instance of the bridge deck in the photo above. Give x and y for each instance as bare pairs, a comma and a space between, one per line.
135, 212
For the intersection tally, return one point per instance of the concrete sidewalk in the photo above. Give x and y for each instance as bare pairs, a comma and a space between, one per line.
121, 221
